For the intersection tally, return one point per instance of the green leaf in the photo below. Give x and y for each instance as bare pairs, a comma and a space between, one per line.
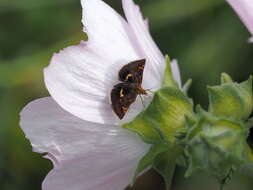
164, 117
231, 99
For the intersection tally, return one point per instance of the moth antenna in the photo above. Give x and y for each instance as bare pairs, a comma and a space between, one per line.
142, 101
149, 90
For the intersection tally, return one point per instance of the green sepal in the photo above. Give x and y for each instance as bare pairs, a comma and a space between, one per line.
165, 163
187, 86
144, 128
163, 158
248, 154
249, 123
168, 79
215, 146
164, 117
227, 178
230, 99
225, 78
147, 160
247, 168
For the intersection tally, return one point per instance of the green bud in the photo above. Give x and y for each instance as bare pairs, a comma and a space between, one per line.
215, 146
231, 99
165, 116
163, 125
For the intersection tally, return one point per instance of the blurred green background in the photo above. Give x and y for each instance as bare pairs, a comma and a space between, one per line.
205, 36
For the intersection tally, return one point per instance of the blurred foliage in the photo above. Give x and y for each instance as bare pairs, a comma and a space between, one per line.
205, 36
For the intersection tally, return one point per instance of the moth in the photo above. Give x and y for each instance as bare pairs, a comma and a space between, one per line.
124, 94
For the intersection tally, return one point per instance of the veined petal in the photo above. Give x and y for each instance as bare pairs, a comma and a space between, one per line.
146, 44
176, 72
108, 32
85, 155
244, 8
80, 82
111, 36
81, 77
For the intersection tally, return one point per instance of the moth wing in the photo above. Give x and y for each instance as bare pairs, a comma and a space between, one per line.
122, 96
132, 72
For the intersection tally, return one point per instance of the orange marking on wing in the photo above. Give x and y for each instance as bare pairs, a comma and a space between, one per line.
124, 109
128, 76
141, 67
121, 94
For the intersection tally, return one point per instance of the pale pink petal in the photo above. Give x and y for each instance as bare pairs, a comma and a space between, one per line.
111, 36
176, 72
244, 8
147, 46
81, 77
86, 156
80, 82
251, 40
108, 32
146, 21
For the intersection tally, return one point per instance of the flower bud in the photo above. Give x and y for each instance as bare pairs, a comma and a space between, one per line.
216, 146
165, 116
161, 124
231, 99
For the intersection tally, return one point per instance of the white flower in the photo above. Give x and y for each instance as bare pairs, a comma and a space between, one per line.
244, 8
76, 126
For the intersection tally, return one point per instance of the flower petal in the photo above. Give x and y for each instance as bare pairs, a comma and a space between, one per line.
81, 77
176, 72
244, 8
107, 31
111, 36
85, 155
147, 46
251, 40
